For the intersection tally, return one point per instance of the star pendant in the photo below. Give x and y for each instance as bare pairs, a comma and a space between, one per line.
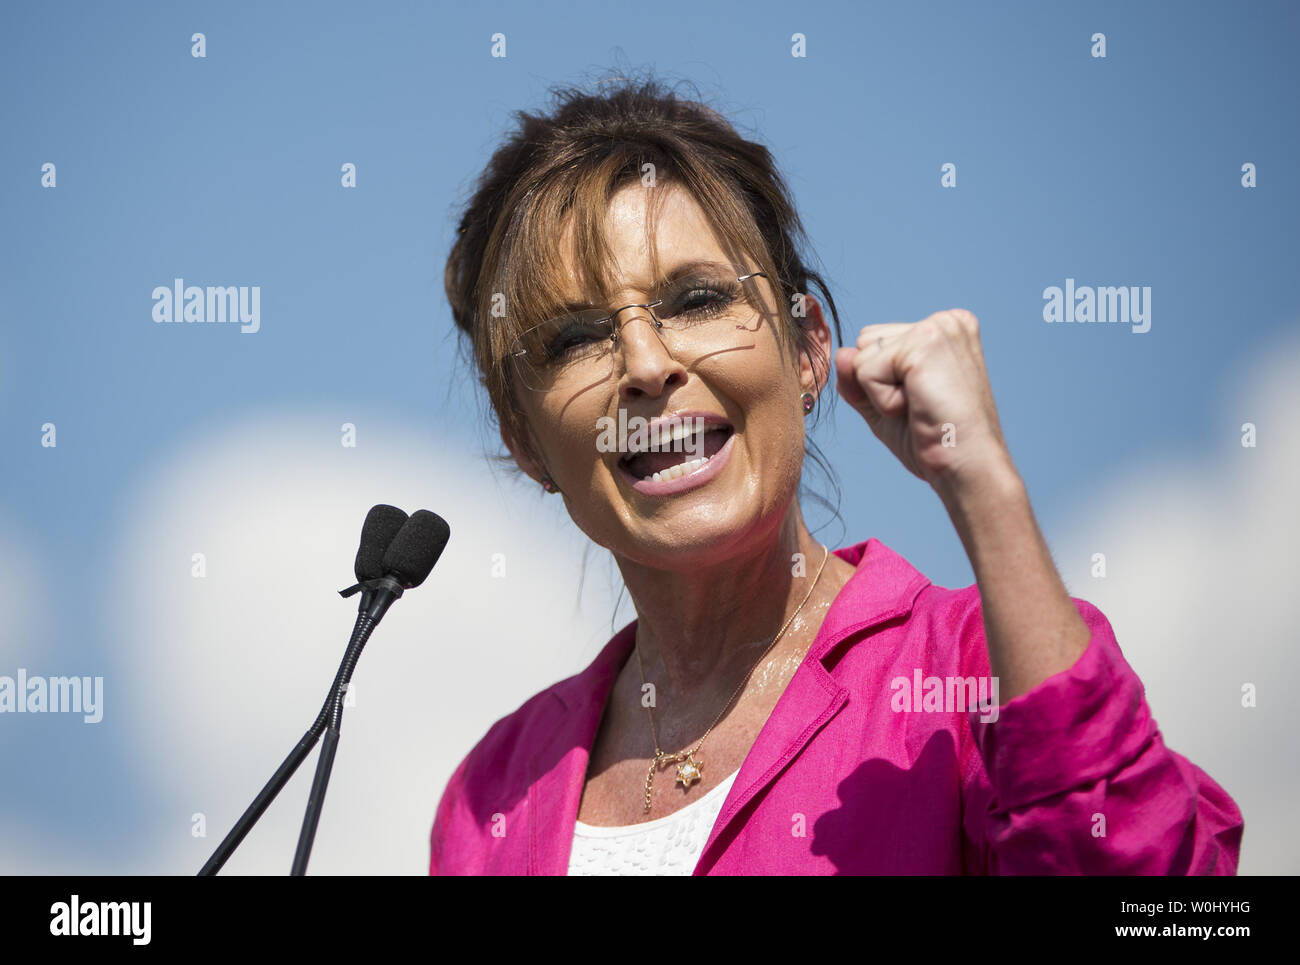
689, 771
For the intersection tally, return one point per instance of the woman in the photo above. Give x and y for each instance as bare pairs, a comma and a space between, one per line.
628, 280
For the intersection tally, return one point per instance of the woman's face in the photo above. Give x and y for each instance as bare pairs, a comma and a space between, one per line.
751, 388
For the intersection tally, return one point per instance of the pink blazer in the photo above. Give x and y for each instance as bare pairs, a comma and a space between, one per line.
856, 773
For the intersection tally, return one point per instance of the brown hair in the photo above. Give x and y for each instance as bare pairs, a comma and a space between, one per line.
568, 164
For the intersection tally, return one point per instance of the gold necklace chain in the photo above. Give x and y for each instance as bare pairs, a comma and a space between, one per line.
689, 769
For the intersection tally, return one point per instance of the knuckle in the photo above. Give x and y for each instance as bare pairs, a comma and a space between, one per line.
930, 329
965, 319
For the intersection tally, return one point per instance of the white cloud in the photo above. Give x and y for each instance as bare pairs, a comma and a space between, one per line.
1200, 588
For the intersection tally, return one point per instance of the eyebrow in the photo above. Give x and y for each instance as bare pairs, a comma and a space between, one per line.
681, 270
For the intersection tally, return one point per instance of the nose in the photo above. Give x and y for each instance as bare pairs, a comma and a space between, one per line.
648, 366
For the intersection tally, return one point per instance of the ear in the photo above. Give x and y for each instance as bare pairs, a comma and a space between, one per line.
819, 345
522, 453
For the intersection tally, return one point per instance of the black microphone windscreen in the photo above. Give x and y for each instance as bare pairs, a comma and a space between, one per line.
382, 524
416, 548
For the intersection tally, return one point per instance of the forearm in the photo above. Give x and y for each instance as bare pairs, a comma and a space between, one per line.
1032, 628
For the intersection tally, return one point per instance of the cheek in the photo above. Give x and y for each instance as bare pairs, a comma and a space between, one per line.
778, 449
774, 421
570, 441
576, 448
771, 392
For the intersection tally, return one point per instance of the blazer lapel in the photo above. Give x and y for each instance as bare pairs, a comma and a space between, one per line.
555, 794
883, 587
810, 700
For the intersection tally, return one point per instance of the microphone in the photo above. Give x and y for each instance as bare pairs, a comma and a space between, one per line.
382, 525
414, 552
396, 553
406, 563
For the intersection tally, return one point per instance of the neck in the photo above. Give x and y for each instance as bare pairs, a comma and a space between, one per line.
701, 628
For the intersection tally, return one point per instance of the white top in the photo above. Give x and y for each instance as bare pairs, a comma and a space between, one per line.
669, 845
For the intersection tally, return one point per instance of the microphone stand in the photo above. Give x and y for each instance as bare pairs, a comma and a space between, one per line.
371, 610
316, 800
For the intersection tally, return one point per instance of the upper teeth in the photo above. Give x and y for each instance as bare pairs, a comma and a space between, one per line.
663, 436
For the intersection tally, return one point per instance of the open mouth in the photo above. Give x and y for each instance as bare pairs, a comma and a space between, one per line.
685, 453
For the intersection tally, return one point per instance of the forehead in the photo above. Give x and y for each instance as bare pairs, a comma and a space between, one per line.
680, 233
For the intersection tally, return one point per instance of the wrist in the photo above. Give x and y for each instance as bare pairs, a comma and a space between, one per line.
990, 484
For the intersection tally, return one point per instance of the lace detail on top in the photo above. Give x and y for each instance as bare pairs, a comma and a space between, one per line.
670, 845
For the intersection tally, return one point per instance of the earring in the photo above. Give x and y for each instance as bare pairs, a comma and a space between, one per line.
808, 400
549, 484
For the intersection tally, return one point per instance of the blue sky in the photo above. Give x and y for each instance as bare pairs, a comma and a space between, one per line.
225, 171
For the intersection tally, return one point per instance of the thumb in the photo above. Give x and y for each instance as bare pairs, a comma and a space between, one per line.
846, 383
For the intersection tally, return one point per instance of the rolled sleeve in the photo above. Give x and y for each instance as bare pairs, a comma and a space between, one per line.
1079, 780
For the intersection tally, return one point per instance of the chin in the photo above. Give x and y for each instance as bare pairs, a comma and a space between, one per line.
686, 535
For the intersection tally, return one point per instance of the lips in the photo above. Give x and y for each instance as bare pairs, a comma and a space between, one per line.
689, 476
703, 444
669, 445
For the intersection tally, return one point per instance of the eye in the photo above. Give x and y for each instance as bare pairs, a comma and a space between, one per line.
699, 299
568, 338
